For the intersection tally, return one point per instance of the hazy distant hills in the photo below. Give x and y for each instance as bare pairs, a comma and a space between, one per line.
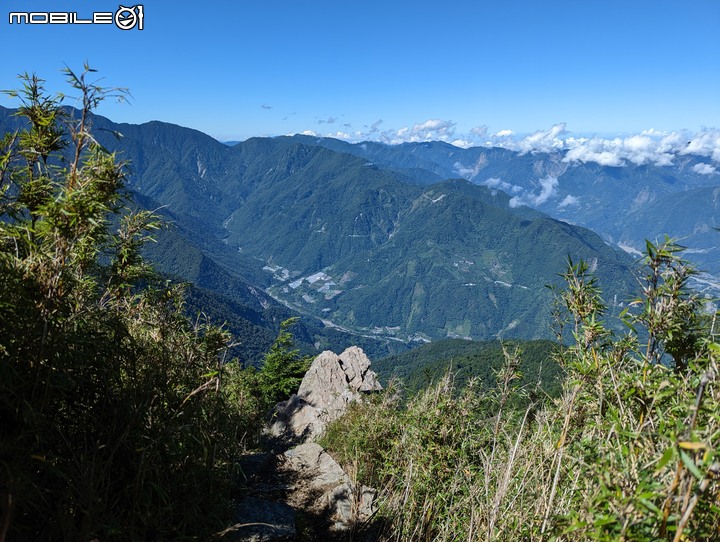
410, 242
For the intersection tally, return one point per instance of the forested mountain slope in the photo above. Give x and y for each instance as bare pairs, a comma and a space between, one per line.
359, 244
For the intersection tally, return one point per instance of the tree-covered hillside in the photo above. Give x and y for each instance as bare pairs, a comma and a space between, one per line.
358, 243
461, 263
466, 360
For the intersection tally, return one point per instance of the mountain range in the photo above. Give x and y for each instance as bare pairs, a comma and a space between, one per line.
626, 203
392, 245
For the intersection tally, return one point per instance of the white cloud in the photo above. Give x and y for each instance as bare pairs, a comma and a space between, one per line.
705, 143
429, 130
543, 141
433, 129
571, 142
671, 143
642, 149
650, 147
594, 150
704, 169
432, 124
462, 143
516, 202
339, 135
309, 133
548, 189
479, 131
638, 143
493, 182
567, 201
470, 172
653, 132
540, 141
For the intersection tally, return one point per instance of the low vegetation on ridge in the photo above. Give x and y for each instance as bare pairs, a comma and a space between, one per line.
628, 451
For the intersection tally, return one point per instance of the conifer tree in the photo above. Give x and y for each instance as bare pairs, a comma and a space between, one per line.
283, 367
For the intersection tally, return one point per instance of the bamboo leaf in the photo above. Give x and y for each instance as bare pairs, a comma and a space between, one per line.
665, 459
691, 466
686, 445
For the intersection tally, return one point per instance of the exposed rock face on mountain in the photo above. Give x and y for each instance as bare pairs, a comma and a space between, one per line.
329, 386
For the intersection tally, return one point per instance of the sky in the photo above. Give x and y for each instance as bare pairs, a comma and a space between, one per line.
465, 72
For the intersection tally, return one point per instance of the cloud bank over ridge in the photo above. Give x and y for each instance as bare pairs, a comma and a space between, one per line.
651, 147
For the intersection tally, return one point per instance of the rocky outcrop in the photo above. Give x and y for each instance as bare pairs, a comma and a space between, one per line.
329, 386
299, 479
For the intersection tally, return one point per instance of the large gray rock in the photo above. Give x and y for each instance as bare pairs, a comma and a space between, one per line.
315, 466
329, 386
315, 485
322, 488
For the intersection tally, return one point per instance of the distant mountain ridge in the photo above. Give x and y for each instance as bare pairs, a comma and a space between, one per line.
625, 204
367, 237
226, 288
364, 247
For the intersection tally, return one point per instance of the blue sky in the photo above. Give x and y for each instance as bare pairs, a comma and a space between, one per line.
394, 71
